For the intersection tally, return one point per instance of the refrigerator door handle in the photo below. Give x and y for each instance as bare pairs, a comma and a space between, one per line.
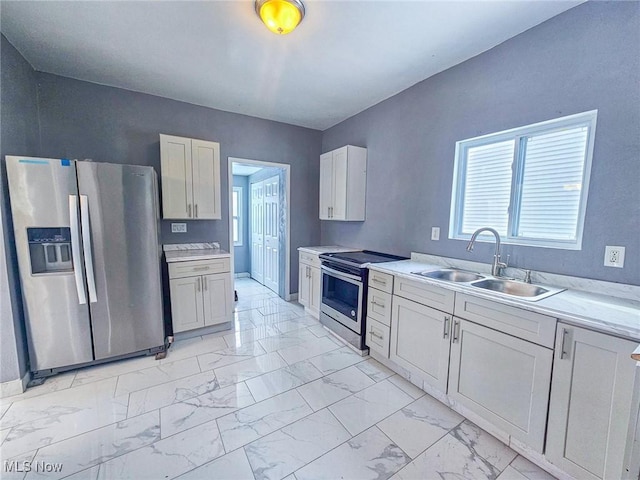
86, 244
75, 249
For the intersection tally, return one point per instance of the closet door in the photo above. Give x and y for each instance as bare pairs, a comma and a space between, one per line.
257, 232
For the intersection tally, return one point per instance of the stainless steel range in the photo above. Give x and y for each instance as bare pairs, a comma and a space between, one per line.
344, 292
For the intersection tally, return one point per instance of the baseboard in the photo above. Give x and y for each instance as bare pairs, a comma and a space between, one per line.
14, 387
242, 275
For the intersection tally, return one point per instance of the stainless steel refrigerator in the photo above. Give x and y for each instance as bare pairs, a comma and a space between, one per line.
86, 236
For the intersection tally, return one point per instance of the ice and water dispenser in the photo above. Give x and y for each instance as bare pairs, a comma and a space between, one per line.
50, 250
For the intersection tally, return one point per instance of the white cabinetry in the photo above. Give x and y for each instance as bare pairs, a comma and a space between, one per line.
496, 369
343, 178
190, 171
420, 329
378, 331
201, 293
592, 411
309, 286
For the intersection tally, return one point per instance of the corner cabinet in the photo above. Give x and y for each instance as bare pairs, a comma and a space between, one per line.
190, 173
343, 179
309, 278
201, 293
593, 410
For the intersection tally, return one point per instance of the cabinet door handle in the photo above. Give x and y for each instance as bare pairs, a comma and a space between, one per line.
445, 334
196, 210
374, 334
204, 281
198, 284
563, 351
456, 331
189, 210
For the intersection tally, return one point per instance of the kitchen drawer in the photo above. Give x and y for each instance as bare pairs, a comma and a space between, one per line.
430, 295
378, 336
310, 259
199, 267
381, 281
379, 306
531, 326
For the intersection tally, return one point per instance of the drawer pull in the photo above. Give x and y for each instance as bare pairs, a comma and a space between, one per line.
374, 334
381, 282
447, 319
381, 305
201, 268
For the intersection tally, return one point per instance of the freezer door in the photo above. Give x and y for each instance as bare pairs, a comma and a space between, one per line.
122, 256
44, 200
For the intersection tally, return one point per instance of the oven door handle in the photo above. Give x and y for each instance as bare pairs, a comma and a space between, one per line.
343, 275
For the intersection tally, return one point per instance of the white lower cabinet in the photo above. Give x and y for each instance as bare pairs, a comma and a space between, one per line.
378, 337
501, 378
187, 309
198, 299
420, 340
309, 283
592, 411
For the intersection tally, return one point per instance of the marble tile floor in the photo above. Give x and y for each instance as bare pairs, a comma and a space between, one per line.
275, 398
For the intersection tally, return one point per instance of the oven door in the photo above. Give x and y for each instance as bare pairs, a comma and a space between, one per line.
342, 298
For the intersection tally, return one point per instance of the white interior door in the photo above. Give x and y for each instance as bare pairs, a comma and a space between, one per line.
271, 238
257, 231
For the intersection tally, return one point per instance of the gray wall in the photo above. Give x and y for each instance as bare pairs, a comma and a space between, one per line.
586, 58
84, 120
242, 255
19, 135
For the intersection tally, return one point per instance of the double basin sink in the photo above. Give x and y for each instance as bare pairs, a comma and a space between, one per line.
513, 288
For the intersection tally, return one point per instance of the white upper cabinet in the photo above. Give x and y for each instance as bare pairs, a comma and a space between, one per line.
343, 179
190, 178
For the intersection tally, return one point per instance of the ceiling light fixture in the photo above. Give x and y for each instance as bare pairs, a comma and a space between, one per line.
280, 16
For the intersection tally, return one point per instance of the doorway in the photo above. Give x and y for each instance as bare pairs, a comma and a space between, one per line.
259, 226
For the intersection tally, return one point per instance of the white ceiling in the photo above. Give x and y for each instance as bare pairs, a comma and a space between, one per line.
344, 57
244, 170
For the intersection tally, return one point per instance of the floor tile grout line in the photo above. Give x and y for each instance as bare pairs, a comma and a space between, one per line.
93, 430
161, 383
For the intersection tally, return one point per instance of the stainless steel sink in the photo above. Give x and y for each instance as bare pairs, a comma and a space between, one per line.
526, 291
451, 275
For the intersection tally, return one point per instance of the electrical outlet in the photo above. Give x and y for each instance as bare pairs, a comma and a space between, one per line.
178, 228
435, 233
614, 256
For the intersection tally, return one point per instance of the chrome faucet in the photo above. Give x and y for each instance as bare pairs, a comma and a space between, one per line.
497, 265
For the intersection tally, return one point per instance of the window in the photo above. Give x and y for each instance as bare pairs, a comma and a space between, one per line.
237, 216
529, 183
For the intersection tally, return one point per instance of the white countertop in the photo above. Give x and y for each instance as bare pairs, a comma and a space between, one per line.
196, 254
185, 252
618, 316
327, 249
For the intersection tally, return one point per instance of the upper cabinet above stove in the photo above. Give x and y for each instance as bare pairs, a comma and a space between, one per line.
343, 179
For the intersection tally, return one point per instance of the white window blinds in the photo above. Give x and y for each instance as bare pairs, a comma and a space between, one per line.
487, 187
551, 184
529, 183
